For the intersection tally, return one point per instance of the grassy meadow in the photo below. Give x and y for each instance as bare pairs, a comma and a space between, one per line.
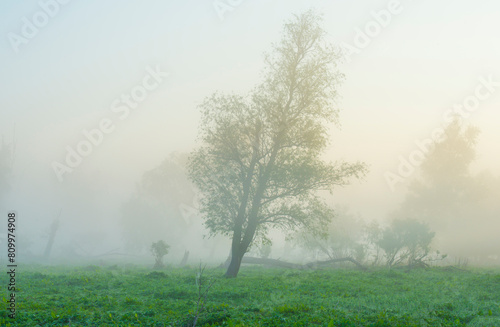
138, 296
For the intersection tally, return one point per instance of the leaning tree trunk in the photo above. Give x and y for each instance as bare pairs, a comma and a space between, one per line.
235, 263
240, 246
236, 255
234, 267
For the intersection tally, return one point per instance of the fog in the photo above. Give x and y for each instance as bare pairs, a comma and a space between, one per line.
96, 96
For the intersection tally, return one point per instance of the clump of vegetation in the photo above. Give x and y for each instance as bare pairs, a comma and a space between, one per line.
343, 237
159, 250
265, 250
407, 241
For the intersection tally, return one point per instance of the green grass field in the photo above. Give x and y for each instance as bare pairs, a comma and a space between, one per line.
120, 296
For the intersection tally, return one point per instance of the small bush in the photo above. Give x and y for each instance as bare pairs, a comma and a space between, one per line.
159, 250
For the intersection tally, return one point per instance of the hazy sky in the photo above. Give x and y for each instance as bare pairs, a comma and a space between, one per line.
64, 77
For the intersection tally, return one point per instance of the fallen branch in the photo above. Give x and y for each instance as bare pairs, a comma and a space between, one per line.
448, 268
271, 262
327, 262
310, 265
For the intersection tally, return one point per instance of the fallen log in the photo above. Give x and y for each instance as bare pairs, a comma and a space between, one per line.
271, 262
327, 262
310, 265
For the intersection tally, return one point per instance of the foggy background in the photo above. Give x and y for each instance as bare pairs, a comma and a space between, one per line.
65, 79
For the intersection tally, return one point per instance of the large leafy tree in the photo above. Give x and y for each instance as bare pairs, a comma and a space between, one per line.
462, 207
259, 166
445, 181
160, 206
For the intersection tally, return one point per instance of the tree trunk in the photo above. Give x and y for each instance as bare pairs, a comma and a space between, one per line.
52, 235
239, 248
234, 265
184, 259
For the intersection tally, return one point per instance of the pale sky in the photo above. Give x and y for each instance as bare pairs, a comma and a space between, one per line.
63, 80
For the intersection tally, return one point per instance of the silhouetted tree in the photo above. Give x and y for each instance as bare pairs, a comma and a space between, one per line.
445, 178
157, 209
460, 206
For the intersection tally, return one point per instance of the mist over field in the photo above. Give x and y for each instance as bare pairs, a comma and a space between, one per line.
249, 163
100, 115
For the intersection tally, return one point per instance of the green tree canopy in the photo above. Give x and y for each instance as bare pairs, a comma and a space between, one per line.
259, 164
